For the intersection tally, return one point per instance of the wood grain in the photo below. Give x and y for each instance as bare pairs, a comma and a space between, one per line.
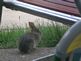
65, 6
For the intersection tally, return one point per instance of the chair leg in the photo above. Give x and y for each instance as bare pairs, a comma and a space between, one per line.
1, 4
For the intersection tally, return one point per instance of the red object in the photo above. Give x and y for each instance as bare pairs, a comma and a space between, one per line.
65, 6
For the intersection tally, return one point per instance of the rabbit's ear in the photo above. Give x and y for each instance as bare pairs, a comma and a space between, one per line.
33, 28
31, 24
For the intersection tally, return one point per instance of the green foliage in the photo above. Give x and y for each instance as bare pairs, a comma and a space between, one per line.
8, 37
51, 34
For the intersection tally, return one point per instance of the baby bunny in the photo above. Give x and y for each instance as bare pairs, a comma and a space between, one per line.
29, 41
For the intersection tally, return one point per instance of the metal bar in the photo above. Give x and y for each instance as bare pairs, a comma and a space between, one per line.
43, 12
78, 4
1, 4
45, 58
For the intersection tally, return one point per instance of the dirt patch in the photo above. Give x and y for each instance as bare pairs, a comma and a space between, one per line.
14, 55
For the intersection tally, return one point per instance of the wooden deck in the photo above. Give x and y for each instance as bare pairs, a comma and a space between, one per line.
65, 6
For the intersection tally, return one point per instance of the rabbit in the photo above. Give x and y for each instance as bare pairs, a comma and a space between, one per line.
28, 42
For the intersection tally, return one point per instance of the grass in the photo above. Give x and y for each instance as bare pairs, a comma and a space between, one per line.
8, 37
50, 35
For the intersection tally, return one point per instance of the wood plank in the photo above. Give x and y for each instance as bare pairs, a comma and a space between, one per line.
62, 2
72, 1
65, 6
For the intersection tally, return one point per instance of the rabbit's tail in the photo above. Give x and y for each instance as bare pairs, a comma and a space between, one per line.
23, 49
26, 46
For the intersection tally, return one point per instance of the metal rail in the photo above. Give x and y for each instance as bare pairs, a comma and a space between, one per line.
40, 11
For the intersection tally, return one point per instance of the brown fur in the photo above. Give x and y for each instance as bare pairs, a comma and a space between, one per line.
29, 41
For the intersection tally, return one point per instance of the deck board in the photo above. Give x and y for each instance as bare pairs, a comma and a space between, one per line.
65, 6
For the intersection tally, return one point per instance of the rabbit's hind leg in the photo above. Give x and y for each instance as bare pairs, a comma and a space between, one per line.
31, 49
35, 44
